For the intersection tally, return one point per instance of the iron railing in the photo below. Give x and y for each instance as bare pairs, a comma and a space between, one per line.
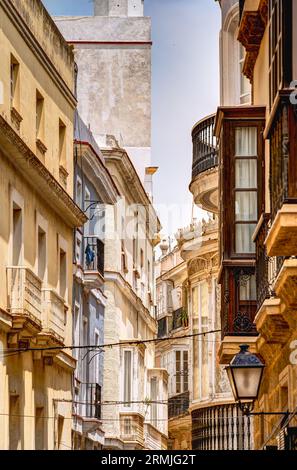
90, 397
178, 405
177, 319
237, 313
162, 327
94, 254
267, 268
283, 189
205, 149
221, 428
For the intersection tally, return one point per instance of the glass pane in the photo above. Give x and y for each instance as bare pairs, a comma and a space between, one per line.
246, 206
246, 174
247, 289
243, 238
246, 141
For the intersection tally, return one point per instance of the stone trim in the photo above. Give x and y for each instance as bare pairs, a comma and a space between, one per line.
36, 48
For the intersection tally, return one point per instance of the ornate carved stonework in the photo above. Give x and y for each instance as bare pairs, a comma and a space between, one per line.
197, 265
251, 31
16, 118
41, 147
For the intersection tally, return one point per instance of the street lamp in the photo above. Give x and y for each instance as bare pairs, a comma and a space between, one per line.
245, 373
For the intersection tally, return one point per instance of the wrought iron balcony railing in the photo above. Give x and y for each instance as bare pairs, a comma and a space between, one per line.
239, 302
178, 405
267, 268
283, 189
94, 255
162, 327
90, 398
205, 149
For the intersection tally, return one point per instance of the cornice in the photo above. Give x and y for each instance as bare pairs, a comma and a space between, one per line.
38, 176
97, 173
126, 168
39, 52
127, 290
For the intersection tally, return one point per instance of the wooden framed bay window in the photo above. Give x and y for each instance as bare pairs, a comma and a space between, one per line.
245, 188
241, 187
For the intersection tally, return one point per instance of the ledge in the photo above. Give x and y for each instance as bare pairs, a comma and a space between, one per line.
270, 321
230, 346
282, 237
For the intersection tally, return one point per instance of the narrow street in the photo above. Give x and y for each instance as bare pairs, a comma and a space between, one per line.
148, 228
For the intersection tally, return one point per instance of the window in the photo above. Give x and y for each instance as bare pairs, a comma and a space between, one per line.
276, 46
62, 144
245, 87
78, 249
41, 253
14, 82
127, 426
78, 195
87, 207
124, 259
60, 431
17, 235
39, 116
39, 428
246, 196
154, 398
76, 331
127, 378
15, 424
181, 372
141, 260
62, 273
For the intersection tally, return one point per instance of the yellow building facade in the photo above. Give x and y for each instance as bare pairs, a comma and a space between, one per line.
38, 216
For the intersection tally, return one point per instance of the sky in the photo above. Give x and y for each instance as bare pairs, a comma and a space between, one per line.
185, 88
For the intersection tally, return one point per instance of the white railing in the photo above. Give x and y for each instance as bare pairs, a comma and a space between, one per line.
23, 293
53, 314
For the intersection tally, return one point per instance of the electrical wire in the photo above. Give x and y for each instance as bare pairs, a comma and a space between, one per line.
111, 345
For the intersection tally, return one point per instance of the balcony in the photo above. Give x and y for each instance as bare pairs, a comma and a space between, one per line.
221, 427
162, 327
24, 298
93, 261
282, 237
53, 317
204, 185
180, 319
238, 310
178, 405
90, 398
132, 426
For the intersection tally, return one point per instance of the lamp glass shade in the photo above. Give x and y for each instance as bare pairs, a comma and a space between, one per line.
245, 374
247, 382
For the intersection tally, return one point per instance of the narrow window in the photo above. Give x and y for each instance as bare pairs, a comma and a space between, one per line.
39, 428
154, 398
60, 431
14, 423
17, 233
178, 383
39, 116
63, 273
62, 144
127, 378
41, 253
14, 82
185, 371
